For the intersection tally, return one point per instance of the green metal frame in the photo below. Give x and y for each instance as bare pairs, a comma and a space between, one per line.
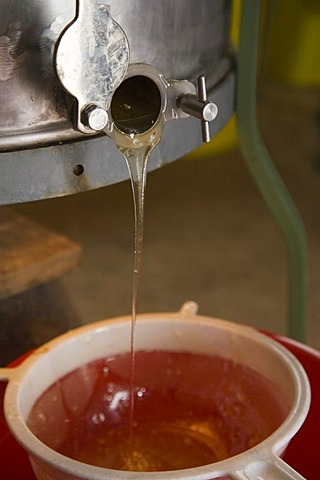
263, 171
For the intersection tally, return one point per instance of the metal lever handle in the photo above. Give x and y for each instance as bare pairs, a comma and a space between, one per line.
200, 107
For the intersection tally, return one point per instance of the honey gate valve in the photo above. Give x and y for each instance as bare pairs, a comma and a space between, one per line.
92, 60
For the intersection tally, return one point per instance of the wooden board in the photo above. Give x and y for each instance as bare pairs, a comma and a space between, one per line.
30, 254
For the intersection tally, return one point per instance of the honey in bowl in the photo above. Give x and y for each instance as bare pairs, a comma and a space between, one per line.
189, 410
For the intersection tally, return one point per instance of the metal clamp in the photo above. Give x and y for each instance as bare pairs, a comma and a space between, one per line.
91, 60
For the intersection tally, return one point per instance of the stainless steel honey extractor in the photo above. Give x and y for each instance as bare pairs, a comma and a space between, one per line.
41, 136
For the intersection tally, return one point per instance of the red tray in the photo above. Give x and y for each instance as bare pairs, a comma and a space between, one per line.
303, 453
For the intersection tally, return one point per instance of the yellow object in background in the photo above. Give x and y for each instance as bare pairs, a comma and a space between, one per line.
223, 141
293, 38
290, 50
227, 138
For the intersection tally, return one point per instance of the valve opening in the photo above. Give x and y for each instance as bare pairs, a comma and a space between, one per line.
136, 105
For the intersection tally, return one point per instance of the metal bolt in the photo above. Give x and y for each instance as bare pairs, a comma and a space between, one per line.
95, 117
210, 111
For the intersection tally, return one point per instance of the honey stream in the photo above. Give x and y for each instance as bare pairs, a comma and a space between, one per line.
137, 160
110, 413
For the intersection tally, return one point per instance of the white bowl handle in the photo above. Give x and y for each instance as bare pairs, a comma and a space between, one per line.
269, 469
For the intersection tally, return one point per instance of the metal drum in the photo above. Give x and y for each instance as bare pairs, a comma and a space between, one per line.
42, 154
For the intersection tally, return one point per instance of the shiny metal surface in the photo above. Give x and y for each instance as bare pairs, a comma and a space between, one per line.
52, 171
91, 60
200, 107
137, 99
180, 38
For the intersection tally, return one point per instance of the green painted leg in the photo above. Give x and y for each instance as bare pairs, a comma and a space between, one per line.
263, 171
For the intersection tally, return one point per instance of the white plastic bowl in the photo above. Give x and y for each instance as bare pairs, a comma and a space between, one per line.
182, 331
